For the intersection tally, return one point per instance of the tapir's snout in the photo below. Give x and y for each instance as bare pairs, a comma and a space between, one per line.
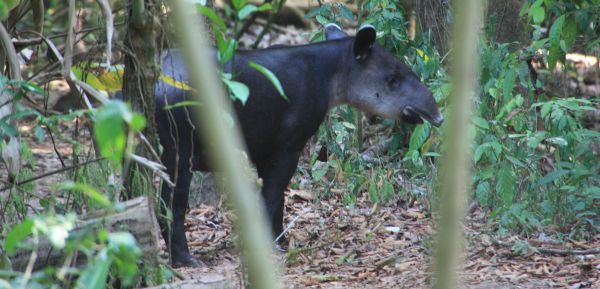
415, 115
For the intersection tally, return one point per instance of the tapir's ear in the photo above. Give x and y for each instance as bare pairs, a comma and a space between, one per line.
333, 31
365, 38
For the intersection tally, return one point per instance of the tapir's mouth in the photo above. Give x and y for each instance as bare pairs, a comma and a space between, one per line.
417, 116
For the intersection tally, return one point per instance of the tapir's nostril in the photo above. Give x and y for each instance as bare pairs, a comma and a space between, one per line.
438, 120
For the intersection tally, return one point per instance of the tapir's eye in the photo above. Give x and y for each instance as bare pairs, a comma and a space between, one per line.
394, 81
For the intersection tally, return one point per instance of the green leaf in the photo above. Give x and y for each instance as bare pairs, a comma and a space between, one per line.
555, 51
265, 7
247, 10
271, 76
138, 122
182, 104
552, 176
481, 122
537, 13
480, 151
238, 90
110, 130
94, 275
238, 4
123, 248
482, 193
509, 84
546, 108
559, 141
17, 235
505, 185
373, 197
212, 15
11, 4
419, 136
345, 12
569, 32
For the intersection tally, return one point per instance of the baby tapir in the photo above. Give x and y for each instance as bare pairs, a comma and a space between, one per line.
315, 77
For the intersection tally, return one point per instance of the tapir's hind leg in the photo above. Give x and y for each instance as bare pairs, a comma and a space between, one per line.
276, 174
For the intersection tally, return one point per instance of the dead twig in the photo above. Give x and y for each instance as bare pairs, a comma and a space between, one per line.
63, 169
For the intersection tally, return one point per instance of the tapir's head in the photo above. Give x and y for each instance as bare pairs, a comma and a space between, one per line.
378, 83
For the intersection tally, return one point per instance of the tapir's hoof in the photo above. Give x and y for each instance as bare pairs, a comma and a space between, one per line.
187, 261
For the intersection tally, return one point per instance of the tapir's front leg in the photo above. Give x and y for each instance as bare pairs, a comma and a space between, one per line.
178, 167
276, 174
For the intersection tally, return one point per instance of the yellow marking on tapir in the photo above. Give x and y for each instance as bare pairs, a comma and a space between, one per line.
422, 54
172, 82
111, 80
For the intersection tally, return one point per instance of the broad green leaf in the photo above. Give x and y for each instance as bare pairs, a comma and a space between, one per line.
482, 193
509, 84
271, 76
11, 4
480, 151
481, 122
247, 10
239, 91
373, 192
238, 4
94, 275
123, 248
345, 12
546, 108
110, 130
265, 7
212, 15
537, 13
558, 141
555, 52
17, 234
505, 185
419, 136
138, 122
228, 51
319, 170
552, 176
535, 139
3, 15
569, 32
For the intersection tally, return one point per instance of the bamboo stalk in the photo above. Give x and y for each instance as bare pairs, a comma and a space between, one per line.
455, 166
252, 224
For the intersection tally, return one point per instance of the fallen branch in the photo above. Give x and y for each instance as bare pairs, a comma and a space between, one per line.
137, 217
568, 252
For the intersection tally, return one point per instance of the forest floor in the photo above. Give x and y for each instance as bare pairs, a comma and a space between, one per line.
332, 245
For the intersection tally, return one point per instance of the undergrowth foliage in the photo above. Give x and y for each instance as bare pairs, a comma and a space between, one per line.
534, 163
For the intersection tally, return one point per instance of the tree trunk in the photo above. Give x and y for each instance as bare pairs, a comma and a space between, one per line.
435, 15
507, 25
141, 74
138, 218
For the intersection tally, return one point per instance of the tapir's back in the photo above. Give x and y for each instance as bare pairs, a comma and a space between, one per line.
268, 120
